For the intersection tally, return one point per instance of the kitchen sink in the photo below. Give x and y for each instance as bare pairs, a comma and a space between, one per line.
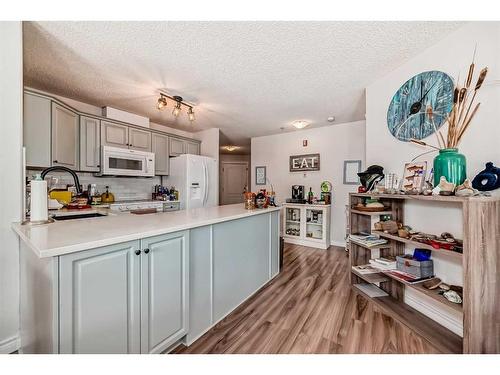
78, 216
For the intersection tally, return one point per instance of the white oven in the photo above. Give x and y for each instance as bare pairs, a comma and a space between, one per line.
124, 162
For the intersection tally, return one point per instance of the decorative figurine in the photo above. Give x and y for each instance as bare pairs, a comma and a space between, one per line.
488, 179
445, 187
465, 189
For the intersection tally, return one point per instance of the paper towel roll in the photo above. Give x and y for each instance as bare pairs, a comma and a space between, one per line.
39, 211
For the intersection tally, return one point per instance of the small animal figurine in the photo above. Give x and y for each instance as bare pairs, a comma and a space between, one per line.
488, 179
466, 189
446, 188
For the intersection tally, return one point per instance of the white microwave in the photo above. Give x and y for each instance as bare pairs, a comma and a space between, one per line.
124, 162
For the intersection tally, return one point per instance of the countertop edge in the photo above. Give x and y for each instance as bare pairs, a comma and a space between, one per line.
131, 237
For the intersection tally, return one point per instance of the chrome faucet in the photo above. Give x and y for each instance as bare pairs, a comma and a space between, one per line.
64, 169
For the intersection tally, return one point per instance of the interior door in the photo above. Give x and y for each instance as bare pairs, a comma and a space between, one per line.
139, 139
165, 286
234, 181
196, 177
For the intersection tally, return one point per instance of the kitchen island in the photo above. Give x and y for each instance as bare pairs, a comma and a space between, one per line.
125, 283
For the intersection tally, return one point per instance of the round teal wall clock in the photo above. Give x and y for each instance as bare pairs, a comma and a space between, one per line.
406, 116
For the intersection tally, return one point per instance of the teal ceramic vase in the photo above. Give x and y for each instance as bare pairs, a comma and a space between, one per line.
450, 164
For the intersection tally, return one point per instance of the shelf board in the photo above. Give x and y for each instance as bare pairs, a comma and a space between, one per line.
368, 213
434, 294
438, 336
317, 224
293, 221
417, 244
371, 278
377, 247
437, 198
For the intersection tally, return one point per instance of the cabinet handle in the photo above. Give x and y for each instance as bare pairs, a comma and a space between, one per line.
138, 252
146, 251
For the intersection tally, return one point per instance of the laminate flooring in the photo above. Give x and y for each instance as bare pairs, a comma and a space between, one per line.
308, 308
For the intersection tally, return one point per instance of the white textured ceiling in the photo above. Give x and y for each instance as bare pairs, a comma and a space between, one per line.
246, 78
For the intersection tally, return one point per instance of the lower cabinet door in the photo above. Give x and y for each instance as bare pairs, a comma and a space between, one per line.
100, 300
165, 286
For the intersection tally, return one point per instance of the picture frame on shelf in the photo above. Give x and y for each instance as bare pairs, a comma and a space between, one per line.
414, 177
260, 175
351, 170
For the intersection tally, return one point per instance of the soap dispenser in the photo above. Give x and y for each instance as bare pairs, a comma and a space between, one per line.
107, 197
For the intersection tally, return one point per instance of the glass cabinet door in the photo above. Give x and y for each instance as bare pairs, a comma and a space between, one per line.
314, 224
292, 217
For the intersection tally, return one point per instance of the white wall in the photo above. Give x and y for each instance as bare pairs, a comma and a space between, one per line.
209, 142
334, 143
11, 94
453, 56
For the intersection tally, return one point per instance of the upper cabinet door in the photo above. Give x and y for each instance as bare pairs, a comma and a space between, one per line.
114, 135
165, 286
192, 148
176, 146
99, 310
36, 130
139, 139
90, 142
159, 146
65, 132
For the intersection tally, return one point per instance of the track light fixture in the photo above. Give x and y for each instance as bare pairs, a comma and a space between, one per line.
191, 114
177, 109
163, 100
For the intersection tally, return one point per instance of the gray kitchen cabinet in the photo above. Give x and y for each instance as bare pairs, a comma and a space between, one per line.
114, 135
139, 139
176, 146
160, 147
192, 148
99, 300
36, 130
165, 287
65, 134
90, 144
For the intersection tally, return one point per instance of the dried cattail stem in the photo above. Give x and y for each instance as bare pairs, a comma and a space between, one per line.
422, 143
480, 80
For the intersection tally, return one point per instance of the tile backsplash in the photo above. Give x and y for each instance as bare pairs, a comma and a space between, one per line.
123, 188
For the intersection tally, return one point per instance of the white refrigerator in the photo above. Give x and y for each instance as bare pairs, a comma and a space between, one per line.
197, 180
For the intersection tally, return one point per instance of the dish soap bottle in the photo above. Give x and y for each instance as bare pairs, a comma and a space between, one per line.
107, 197
310, 196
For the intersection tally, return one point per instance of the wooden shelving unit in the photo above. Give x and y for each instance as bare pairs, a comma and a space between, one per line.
480, 262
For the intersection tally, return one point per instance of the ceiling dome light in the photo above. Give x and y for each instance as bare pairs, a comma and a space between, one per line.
177, 109
300, 124
162, 102
191, 114
231, 148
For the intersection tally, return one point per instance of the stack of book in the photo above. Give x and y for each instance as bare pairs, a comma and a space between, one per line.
384, 264
367, 240
365, 269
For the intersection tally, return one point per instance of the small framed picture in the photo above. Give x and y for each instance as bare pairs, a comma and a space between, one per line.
260, 175
414, 177
351, 170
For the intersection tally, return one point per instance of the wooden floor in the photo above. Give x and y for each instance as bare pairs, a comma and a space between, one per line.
309, 308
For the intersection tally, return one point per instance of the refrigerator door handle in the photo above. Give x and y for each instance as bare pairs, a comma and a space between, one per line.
205, 172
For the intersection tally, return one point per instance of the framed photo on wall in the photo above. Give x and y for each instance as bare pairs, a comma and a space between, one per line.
260, 175
351, 170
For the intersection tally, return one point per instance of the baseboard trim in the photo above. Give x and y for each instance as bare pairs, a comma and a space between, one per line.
337, 243
10, 345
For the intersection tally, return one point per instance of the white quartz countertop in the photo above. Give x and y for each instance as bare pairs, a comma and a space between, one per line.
64, 237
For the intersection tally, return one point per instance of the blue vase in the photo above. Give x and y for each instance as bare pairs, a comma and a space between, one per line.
450, 164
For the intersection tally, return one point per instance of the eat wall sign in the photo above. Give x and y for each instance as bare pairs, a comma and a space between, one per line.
301, 163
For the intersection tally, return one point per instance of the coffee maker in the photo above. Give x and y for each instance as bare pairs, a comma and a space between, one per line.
297, 194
